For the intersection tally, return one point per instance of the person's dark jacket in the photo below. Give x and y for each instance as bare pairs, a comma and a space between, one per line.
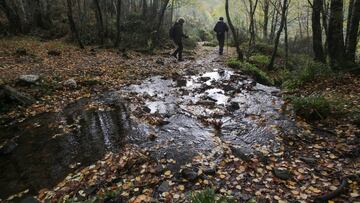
221, 28
178, 32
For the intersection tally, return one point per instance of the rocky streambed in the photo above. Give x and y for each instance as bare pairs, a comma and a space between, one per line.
173, 118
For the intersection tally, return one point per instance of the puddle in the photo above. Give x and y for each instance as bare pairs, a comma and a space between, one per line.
194, 115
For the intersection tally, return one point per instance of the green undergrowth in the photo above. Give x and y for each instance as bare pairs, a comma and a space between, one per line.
312, 108
209, 196
251, 69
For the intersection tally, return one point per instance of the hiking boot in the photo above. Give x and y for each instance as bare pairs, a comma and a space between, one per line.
181, 59
174, 55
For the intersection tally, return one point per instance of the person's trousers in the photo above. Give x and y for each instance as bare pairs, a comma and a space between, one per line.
178, 52
221, 39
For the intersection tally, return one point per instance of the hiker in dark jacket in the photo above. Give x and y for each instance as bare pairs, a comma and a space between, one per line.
177, 34
220, 29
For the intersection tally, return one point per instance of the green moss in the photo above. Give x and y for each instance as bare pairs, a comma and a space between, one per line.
209, 196
311, 108
250, 69
260, 60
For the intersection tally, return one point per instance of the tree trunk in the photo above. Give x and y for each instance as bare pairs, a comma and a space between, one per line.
266, 6
350, 12
252, 23
317, 32
278, 34
118, 23
72, 24
353, 31
286, 42
12, 16
99, 21
161, 19
335, 35
234, 33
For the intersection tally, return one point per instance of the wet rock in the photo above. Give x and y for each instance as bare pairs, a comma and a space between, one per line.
181, 83
308, 160
189, 174
206, 103
70, 83
147, 109
7, 147
241, 153
204, 79
228, 88
29, 200
233, 106
20, 52
164, 187
282, 173
54, 52
29, 79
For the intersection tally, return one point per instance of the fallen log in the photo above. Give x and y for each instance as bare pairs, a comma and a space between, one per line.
13, 94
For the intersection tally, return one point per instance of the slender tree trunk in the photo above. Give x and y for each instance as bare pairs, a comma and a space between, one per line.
118, 23
277, 39
353, 31
234, 33
348, 23
325, 22
252, 22
317, 32
161, 18
286, 42
336, 36
72, 23
99, 21
266, 5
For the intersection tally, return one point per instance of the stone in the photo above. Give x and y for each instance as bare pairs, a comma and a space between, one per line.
181, 83
241, 153
308, 160
283, 174
21, 51
70, 83
146, 109
29, 79
189, 174
54, 52
164, 187
209, 171
233, 106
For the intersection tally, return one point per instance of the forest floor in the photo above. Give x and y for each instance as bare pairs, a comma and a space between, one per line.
320, 159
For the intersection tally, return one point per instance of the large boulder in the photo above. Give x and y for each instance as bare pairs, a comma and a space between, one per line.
29, 79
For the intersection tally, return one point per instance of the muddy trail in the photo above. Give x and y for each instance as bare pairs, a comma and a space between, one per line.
175, 118
195, 113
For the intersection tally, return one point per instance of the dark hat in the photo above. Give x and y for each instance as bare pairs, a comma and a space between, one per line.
221, 18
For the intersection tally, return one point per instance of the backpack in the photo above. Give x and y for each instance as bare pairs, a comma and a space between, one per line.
172, 32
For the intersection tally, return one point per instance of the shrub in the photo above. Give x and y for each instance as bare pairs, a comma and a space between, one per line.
260, 60
259, 75
190, 43
311, 108
209, 196
211, 44
307, 73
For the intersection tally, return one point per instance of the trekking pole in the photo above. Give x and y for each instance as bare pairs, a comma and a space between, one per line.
227, 43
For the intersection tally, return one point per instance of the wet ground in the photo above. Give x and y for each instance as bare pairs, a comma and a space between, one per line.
174, 118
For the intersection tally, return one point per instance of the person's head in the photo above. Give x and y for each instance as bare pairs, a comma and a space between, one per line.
221, 19
181, 20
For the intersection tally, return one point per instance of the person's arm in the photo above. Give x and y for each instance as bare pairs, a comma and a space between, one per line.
216, 28
182, 33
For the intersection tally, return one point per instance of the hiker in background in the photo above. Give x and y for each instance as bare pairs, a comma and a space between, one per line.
221, 28
176, 34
